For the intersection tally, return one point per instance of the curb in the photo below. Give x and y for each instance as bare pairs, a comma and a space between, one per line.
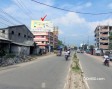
68, 78
87, 86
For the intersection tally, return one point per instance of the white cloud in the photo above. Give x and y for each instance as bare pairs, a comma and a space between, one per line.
61, 32
88, 4
110, 5
69, 19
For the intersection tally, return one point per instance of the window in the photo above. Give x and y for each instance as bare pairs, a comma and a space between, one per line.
3, 31
42, 36
19, 34
28, 36
12, 32
24, 36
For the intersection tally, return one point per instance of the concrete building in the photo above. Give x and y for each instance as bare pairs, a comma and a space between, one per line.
102, 37
43, 39
45, 34
17, 40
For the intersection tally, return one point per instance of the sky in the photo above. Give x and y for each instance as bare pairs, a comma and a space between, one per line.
74, 28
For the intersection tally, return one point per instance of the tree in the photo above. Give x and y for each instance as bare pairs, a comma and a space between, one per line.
91, 47
84, 46
60, 42
75, 48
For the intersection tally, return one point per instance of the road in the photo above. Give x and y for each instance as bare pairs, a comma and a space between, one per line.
93, 68
47, 73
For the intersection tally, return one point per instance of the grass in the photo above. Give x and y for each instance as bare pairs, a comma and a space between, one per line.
75, 64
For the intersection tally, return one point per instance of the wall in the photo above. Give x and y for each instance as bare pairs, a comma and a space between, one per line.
25, 34
4, 34
20, 50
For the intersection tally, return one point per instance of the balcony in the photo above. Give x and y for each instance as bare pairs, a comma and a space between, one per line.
104, 30
104, 46
40, 39
104, 41
104, 35
41, 44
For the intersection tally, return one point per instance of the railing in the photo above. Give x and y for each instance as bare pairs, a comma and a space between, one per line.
104, 46
104, 41
104, 30
102, 35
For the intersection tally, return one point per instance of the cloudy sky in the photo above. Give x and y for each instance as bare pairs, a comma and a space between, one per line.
74, 28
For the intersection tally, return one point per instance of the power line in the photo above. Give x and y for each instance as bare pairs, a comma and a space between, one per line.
10, 16
4, 23
26, 7
21, 7
5, 19
101, 13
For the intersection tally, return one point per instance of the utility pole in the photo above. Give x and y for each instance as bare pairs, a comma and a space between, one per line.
88, 41
49, 41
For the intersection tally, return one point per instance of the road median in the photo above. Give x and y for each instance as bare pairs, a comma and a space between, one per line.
75, 79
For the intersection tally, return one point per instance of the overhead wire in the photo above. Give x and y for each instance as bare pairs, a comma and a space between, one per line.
28, 10
101, 13
21, 7
10, 16
5, 19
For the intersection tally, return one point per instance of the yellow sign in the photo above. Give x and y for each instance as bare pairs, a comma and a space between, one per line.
41, 25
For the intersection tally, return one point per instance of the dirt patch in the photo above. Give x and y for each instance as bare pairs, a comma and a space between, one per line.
75, 78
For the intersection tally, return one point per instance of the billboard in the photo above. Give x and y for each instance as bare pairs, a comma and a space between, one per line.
41, 25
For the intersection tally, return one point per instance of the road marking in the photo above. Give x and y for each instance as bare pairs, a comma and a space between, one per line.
83, 74
43, 85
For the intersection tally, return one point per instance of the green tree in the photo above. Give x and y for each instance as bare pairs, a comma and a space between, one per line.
91, 47
60, 42
84, 46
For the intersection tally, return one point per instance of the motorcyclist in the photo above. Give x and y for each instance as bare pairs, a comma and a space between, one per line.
106, 59
66, 55
68, 52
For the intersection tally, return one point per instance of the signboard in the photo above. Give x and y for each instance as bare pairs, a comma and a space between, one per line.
41, 25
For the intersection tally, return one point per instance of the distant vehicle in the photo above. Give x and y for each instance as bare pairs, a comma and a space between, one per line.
88, 51
81, 51
110, 57
98, 52
78, 51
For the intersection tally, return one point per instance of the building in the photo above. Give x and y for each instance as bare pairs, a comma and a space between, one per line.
102, 37
45, 34
17, 39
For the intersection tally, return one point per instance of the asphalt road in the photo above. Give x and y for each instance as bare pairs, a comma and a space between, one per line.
97, 75
47, 73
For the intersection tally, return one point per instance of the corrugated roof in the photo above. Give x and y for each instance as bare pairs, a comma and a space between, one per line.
1, 38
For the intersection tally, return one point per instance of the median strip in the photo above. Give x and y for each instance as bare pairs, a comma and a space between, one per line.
76, 77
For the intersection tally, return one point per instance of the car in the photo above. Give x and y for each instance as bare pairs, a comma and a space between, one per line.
78, 51
81, 51
110, 57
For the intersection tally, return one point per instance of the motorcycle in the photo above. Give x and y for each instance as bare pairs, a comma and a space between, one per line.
66, 57
106, 63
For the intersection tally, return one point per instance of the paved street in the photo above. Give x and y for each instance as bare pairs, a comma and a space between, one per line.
47, 73
93, 67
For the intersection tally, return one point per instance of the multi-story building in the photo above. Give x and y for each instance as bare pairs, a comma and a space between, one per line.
45, 34
43, 39
102, 37
17, 39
